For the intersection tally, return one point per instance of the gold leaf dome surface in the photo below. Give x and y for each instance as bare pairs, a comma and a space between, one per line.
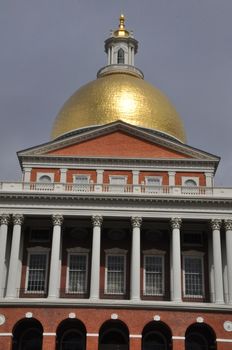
119, 96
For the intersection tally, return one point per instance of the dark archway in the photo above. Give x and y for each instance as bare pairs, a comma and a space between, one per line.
71, 335
114, 335
121, 56
156, 336
200, 336
27, 335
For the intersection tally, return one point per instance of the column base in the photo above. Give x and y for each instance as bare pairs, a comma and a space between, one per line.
219, 302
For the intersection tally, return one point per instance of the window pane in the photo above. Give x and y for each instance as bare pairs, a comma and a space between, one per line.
37, 273
193, 276
115, 274
154, 275
77, 273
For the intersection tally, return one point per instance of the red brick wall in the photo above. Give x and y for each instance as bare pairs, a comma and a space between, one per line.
35, 171
118, 144
179, 175
91, 173
93, 318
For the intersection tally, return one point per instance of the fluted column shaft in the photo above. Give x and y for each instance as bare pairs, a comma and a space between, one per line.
217, 261
228, 228
176, 259
4, 221
53, 288
96, 253
11, 291
135, 258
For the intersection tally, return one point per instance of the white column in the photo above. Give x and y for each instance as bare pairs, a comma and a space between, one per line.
209, 179
217, 261
129, 55
228, 228
63, 176
96, 252
176, 260
100, 176
135, 259
171, 176
53, 288
11, 290
27, 175
4, 221
135, 177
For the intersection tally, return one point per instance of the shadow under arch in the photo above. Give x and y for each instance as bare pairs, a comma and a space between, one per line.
113, 335
200, 336
156, 335
27, 335
71, 335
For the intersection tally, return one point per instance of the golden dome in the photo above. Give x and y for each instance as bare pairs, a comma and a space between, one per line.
119, 96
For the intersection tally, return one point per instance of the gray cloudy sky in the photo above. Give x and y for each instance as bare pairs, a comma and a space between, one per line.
49, 48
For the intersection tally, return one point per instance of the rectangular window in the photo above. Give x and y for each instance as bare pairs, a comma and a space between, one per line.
37, 272
77, 273
82, 183
193, 276
153, 275
115, 274
117, 183
153, 184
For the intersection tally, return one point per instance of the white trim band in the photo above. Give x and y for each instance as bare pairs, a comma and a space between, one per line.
135, 336
6, 334
223, 340
177, 337
52, 334
92, 334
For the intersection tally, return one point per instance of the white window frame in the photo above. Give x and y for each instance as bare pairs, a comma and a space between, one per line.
50, 175
79, 186
77, 251
153, 188
113, 187
154, 253
35, 251
197, 255
115, 252
192, 178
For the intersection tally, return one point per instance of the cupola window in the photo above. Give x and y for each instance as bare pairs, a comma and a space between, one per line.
121, 56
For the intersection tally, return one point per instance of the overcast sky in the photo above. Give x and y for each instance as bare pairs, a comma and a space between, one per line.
49, 48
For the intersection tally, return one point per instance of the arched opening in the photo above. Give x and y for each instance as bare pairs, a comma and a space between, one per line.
156, 336
71, 335
121, 56
114, 335
28, 335
190, 183
200, 336
45, 179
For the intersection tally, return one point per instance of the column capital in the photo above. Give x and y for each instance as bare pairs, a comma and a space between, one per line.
228, 224
18, 219
216, 224
176, 223
4, 219
136, 221
57, 219
97, 220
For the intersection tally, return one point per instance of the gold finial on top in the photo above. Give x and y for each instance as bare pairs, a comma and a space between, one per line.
122, 22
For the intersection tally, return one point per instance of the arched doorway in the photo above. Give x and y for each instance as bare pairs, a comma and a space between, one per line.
27, 335
200, 336
114, 335
71, 335
156, 336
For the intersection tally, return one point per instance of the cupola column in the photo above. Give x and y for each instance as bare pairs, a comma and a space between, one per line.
11, 291
96, 253
53, 289
4, 221
217, 261
228, 228
176, 260
135, 258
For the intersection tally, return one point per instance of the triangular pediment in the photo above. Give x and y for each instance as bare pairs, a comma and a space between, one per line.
115, 140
